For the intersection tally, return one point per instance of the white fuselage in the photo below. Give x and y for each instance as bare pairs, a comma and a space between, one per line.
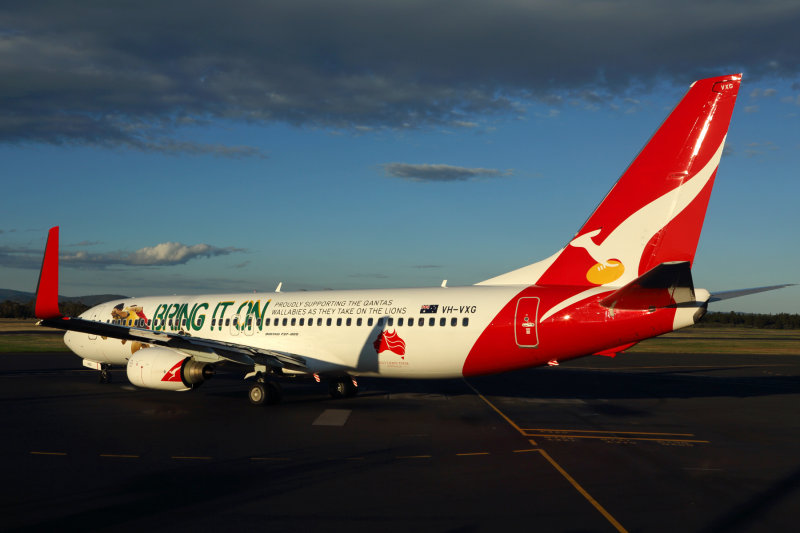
333, 330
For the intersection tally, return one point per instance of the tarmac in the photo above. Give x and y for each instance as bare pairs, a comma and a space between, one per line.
641, 442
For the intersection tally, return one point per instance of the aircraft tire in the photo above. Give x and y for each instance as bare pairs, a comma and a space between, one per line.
258, 393
343, 388
338, 389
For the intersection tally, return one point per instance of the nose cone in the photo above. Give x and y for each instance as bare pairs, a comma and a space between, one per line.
73, 341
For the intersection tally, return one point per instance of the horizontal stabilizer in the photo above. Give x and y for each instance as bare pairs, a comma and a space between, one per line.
664, 285
726, 295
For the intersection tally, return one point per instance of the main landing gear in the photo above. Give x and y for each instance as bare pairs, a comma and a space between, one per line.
263, 392
105, 373
345, 387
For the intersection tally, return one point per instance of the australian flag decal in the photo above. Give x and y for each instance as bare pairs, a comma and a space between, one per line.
428, 309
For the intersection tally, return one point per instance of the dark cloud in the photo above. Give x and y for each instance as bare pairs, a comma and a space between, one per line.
440, 172
164, 254
134, 73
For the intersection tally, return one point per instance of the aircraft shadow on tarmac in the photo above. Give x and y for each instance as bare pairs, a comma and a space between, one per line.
565, 383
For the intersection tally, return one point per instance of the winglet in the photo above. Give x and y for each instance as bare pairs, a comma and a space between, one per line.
47, 288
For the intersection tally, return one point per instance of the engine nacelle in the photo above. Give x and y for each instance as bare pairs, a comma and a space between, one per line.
166, 369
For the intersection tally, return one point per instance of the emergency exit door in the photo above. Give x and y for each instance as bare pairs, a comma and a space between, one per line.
525, 321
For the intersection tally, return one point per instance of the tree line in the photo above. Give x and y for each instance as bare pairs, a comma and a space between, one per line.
10, 309
751, 320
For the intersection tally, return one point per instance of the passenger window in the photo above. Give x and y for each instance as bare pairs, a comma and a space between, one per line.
369, 321
329, 321
431, 321
442, 321
390, 321
465, 322
453, 321
410, 321
302, 321
319, 321
349, 321
421, 321
227, 321
399, 321
285, 321
294, 321
338, 321
380, 321
358, 322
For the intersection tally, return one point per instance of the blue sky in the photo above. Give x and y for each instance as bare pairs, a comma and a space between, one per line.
298, 144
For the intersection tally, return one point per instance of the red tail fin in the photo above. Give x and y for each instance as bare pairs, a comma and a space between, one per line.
47, 289
655, 211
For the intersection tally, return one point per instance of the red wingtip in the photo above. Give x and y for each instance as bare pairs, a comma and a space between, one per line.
47, 289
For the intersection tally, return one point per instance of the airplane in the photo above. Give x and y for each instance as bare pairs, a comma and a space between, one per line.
624, 277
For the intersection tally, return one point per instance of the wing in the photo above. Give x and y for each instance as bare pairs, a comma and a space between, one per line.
203, 349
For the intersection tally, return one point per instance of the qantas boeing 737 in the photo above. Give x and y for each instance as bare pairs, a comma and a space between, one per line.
625, 276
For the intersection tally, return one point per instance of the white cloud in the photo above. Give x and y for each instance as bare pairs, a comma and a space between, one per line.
166, 253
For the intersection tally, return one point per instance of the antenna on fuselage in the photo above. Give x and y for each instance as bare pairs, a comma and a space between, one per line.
278, 288
444, 284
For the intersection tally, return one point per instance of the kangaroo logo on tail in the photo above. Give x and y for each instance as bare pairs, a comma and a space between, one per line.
606, 270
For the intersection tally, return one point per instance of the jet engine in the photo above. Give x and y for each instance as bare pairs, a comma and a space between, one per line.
166, 369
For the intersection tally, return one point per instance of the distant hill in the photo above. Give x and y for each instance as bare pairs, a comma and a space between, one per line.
90, 300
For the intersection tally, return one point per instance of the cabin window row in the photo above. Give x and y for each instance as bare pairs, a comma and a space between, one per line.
388, 321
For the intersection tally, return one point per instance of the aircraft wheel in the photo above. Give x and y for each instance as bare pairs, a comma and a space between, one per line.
337, 389
343, 388
258, 394
105, 376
